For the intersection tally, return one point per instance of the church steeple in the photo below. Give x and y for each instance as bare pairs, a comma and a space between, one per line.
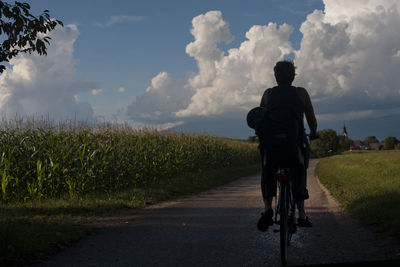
344, 130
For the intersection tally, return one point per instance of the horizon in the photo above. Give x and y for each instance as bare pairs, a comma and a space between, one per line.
199, 67
45, 123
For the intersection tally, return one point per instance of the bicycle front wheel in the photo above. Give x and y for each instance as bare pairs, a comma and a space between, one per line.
284, 213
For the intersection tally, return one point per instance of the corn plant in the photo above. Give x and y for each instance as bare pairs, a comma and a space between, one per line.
42, 160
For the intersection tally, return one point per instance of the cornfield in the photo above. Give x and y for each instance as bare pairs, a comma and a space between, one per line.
44, 161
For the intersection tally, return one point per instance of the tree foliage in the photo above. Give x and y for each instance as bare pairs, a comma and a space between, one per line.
344, 143
327, 143
390, 142
24, 32
370, 140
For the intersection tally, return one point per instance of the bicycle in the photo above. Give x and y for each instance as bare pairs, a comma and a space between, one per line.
286, 209
283, 123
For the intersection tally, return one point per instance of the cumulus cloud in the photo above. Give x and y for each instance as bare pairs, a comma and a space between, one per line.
224, 83
46, 85
348, 57
160, 101
235, 81
348, 60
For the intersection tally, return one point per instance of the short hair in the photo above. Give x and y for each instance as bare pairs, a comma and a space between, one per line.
284, 72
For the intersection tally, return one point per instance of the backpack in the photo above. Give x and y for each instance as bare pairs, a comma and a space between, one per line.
281, 135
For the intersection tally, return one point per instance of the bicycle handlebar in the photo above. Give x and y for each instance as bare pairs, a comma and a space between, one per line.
312, 137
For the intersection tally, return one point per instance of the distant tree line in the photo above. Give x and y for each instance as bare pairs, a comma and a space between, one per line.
391, 142
388, 143
330, 143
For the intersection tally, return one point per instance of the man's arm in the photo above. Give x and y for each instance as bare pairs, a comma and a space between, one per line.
309, 111
264, 99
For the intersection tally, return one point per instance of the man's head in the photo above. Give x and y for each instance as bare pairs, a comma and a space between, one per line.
284, 72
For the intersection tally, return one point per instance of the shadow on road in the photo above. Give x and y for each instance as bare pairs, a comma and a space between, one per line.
218, 228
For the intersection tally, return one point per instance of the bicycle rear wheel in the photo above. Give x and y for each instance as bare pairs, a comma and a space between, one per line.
284, 212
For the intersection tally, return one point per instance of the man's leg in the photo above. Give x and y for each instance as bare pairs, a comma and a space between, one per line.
300, 194
268, 183
302, 186
300, 208
300, 190
268, 192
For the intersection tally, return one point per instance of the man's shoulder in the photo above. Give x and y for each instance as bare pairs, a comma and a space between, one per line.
301, 90
268, 91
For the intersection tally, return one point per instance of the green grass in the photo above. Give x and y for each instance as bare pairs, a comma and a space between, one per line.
23, 239
367, 184
30, 230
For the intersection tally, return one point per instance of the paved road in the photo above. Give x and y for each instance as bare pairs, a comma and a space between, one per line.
218, 228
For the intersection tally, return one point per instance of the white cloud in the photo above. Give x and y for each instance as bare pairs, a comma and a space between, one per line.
159, 82
168, 125
208, 30
348, 54
120, 19
46, 85
121, 90
348, 61
226, 83
160, 101
96, 91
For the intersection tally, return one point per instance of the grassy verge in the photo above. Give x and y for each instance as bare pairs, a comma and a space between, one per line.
367, 184
33, 229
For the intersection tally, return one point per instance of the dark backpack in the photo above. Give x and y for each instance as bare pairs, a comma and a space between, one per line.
281, 135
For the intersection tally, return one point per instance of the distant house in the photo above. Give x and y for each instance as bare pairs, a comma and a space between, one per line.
376, 146
356, 145
359, 145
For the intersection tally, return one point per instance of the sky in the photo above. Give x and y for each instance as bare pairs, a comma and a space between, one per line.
200, 66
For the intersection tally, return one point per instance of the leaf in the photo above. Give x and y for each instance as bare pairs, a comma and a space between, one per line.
21, 27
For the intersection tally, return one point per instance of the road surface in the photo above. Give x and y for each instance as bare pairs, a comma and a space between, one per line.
218, 228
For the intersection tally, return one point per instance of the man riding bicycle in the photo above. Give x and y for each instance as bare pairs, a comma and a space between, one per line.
298, 100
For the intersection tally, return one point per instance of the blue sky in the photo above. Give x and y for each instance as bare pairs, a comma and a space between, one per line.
143, 47
129, 54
